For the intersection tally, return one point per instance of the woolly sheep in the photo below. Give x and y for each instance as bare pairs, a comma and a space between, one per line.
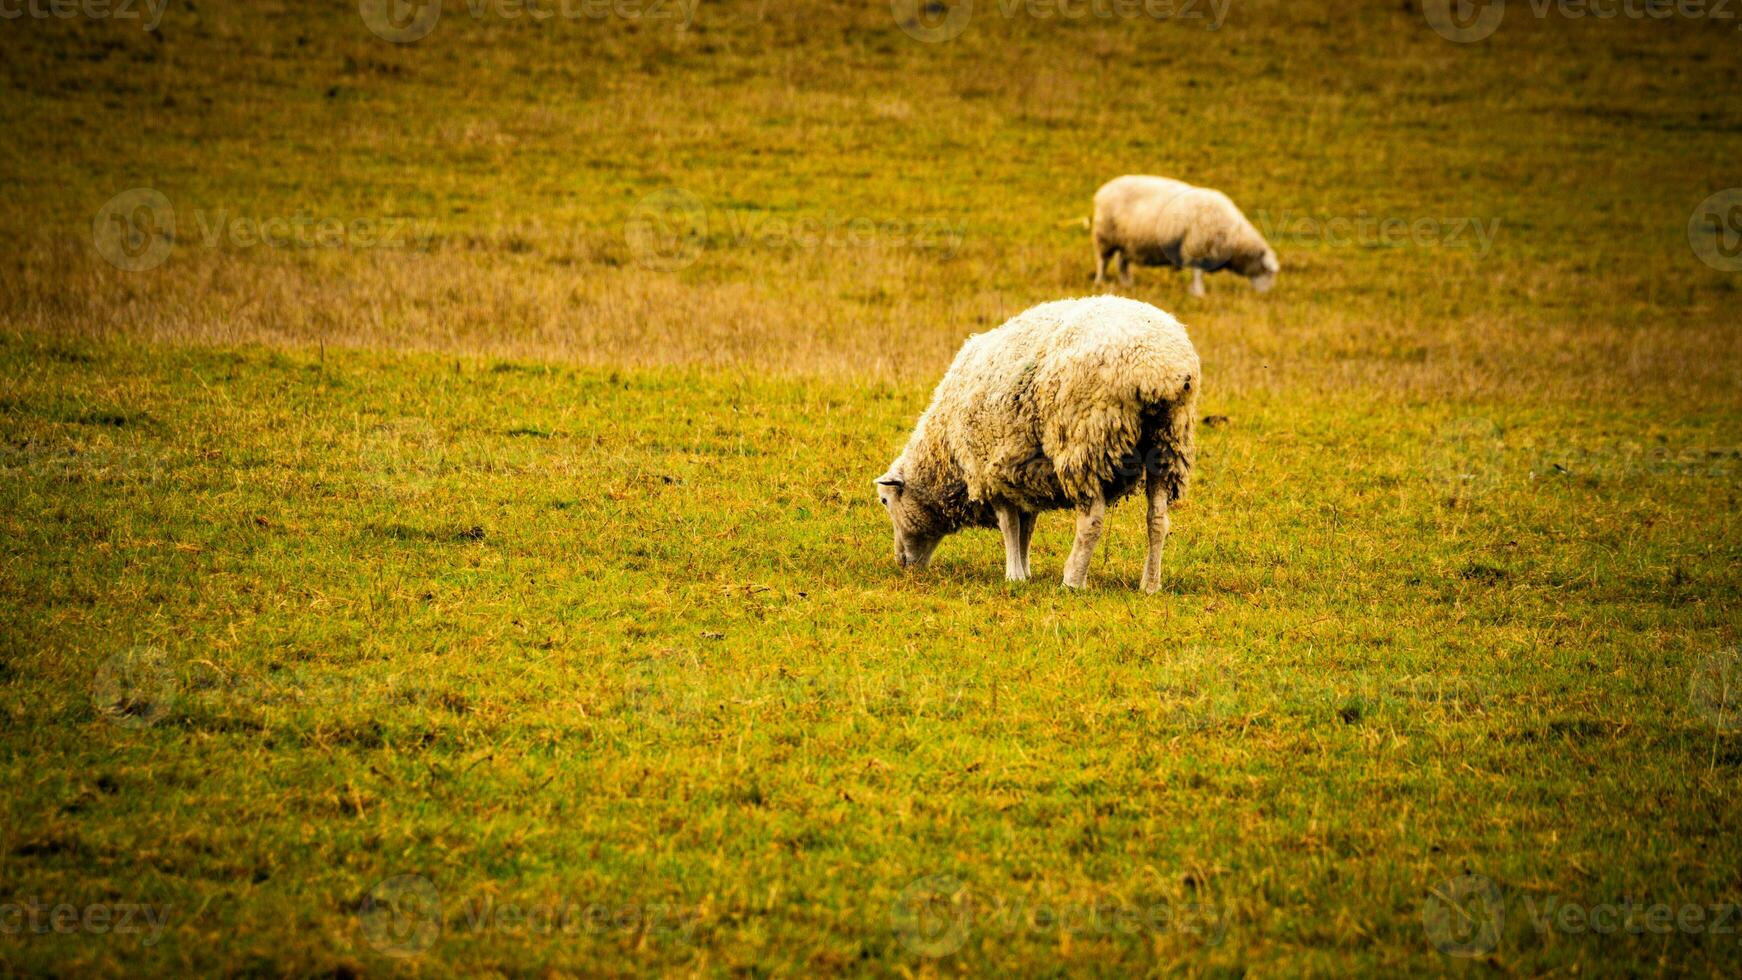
1159, 221
1063, 406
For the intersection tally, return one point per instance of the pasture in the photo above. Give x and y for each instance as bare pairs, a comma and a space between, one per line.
439, 536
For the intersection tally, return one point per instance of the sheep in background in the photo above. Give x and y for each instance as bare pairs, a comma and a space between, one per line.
1065, 405
1159, 221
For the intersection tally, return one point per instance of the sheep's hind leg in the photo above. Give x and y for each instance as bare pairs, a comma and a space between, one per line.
1157, 532
1015, 565
1124, 267
1090, 517
1026, 538
1197, 282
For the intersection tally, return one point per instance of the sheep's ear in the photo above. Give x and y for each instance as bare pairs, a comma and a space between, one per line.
892, 481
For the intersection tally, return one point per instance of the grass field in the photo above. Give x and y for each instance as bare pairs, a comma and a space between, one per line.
438, 532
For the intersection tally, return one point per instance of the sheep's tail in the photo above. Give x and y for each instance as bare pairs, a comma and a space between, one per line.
1175, 439
1082, 222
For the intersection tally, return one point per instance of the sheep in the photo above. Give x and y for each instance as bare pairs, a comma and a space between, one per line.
1159, 221
1063, 406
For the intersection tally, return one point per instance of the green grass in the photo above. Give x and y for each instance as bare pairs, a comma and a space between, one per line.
656, 658
535, 593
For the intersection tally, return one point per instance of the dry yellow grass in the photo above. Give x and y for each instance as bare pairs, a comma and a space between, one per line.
523, 151
285, 625
890, 314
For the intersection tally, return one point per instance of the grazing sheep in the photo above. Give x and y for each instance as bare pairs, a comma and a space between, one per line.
1063, 406
1158, 221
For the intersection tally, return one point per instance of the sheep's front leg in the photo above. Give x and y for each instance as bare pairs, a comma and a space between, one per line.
1026, 539
1125, 267
1197, 282
1015, 563
1089, 519
1102, 254
1157, 532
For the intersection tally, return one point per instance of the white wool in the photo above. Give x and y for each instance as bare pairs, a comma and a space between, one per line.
1067, 405
1166, 222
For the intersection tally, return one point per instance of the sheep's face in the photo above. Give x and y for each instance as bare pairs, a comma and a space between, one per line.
915, 540
1265, 277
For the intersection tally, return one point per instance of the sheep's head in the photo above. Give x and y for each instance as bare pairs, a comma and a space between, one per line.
917, 524
1263, 276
